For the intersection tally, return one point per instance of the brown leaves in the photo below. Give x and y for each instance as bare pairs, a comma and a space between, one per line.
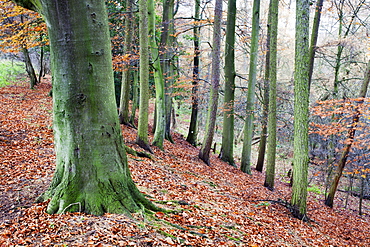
213, 205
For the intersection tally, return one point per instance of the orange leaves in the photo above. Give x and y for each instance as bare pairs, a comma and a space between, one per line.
20, 28
214, 205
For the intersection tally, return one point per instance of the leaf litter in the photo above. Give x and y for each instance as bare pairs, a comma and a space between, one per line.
215, 205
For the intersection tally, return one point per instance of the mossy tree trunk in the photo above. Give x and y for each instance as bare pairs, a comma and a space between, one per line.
167, 48
142, 132
245, 165
215, 84
227, 154
263, 140
158, 79
314, 36
271, 128
92, 173
135, 97
193, 127
125, 87
301, 113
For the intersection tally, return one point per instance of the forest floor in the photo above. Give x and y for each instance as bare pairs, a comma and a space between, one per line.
216, 205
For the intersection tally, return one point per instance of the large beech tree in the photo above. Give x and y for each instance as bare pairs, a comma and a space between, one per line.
91, 174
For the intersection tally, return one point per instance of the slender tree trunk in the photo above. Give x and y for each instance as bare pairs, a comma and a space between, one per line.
266, 87
167, 53
350, 137
125, 86
314, 36
227, 153
301, 111
245, 165
215, 83
135, 97
92, 173
271, 139
29, 68
158, 79
193, 128
41, 72
142, 132
361, 196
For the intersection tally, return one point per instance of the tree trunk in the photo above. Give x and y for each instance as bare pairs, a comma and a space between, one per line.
135, 97
262, 145
227, 153
245, 165
29, 68
41, 72
167, 47
193, 128
142, 132
314, 36
125, 87
92, 173
271, 139
301, 111
350, 136
215, 83
158, 79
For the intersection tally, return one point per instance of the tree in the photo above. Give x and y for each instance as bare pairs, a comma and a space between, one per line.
301, 111
192, 133
346, 27
92, 173
350, 137
215, 83
21, 30
314, 36
245, 165
271, 128
167, 47
266, 88
125, 87
158, 79
227, 154
142, 132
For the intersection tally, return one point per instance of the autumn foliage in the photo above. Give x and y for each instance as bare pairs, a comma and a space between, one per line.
20, 28
332, 119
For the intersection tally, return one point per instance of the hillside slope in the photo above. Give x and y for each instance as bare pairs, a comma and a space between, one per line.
215, 205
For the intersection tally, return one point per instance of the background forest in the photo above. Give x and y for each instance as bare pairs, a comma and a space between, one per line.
208, 61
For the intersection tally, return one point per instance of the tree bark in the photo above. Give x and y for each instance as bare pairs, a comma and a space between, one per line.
193, 127
123, 113
314, 36
301, 111
227, 153
262, 145
167, 46
142, 132
245, 165
158, 79
271, 128
135, 97
29, 68
215, 83
92, 173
